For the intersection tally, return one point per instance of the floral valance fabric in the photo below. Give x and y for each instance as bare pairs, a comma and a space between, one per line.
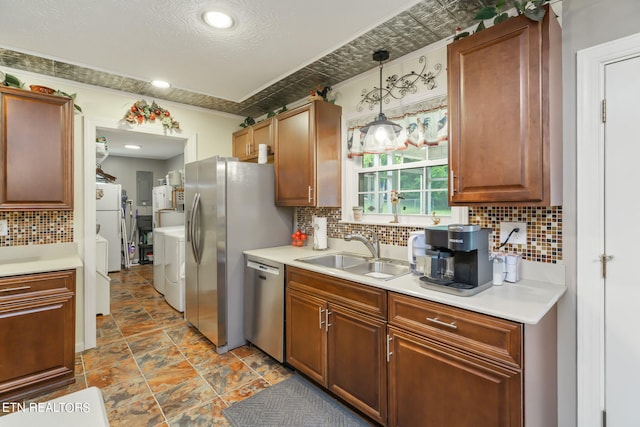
423, 123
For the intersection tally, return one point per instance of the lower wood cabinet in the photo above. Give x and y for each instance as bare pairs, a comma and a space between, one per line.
37, 333
408, 362
454, 367
431, 384
337, 339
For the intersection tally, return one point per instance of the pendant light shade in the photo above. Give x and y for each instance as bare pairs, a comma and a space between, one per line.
381, 134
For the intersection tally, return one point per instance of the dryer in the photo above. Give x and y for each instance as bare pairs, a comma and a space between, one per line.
159, 234
174, 292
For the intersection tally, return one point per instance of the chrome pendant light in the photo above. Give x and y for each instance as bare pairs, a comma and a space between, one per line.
381, 134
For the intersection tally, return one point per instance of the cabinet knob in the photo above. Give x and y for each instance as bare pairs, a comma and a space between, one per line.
309, 195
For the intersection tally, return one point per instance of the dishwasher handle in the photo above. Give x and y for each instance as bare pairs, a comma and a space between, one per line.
263, 267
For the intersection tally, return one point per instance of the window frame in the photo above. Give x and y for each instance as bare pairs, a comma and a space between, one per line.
353, 167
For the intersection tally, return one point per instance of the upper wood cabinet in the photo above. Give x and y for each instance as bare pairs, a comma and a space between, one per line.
505, 114
308, 155
247, 140
36, 155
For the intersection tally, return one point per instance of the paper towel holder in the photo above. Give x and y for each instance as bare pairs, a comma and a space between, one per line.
316, 246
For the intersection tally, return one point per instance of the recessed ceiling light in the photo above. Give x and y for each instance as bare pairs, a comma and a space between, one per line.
160, 84
132, 147
218, 20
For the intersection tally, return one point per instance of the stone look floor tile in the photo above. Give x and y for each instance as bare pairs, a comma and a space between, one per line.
104, 377
158, 360
209, 414
155, 370
142, 412
229, 377
245, 391
106, 355
149, 341
125, 393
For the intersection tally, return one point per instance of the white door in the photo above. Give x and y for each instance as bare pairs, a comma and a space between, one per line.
622, 235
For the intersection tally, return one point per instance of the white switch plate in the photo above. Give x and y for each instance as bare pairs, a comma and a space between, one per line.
4, 227
519, 238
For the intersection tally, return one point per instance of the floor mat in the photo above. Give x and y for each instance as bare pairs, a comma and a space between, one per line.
293, 402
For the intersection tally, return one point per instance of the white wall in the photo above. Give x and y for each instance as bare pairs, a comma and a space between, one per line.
213, 130
586, 23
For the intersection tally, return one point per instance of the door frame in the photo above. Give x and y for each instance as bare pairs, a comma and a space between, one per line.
591, 63
89, 221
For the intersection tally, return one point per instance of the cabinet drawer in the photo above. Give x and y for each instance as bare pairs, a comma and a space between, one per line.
486, 336
362, 298
34, 285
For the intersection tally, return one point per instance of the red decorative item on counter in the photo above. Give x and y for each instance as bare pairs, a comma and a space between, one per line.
298, 238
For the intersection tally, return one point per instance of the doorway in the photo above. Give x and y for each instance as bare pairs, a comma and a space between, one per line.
91, 129
608, 347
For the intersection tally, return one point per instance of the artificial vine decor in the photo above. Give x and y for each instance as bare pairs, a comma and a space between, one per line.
141, 112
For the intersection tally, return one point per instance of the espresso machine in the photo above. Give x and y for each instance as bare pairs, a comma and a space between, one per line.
457, 260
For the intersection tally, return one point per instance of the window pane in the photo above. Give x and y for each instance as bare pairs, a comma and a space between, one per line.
411, 204
368, 202
384, 203
438, 152
411, 179
439, 203
414, 154
367, 182
368, 160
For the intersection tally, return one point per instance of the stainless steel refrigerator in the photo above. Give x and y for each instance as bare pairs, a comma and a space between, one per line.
229, 207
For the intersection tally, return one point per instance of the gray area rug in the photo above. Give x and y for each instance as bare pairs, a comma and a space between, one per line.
293, 402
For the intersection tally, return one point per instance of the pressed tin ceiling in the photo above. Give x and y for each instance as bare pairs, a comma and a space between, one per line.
400, 32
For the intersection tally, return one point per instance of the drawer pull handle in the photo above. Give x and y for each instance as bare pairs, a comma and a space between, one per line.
320, 321
437, 321
19, 288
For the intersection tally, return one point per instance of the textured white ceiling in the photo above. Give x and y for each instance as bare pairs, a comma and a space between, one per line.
167, 39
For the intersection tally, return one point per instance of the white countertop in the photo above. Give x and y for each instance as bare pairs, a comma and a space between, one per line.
17, 260
526, 301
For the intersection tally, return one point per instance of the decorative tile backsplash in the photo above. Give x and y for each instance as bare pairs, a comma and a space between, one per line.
544, 228
37, 227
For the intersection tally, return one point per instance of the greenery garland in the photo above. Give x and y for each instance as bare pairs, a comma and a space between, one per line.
141, 112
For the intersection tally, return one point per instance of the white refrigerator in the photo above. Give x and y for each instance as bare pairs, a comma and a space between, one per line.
108, 215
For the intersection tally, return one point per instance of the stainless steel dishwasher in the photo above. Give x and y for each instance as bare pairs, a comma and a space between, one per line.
264, 306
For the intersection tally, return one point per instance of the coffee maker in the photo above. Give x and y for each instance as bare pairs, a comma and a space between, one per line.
457, 260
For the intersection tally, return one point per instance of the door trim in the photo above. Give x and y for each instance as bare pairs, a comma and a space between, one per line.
89, 126
591, 65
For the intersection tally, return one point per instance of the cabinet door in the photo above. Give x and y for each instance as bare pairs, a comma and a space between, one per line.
37, 332
36, 153
495, 111
434, 385
242, 143
356, 346
295, 157
262, 135
306, 336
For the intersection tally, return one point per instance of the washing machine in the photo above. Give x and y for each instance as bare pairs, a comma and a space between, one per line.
174, 292
159, 262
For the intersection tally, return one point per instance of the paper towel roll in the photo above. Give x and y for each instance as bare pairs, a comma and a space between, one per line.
319, 233
262, 153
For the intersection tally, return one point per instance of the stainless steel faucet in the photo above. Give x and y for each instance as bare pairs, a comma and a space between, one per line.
373, 245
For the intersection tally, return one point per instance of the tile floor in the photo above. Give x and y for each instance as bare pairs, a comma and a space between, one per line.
156, 370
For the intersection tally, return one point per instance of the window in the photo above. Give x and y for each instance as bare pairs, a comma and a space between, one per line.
419, 172
420, 175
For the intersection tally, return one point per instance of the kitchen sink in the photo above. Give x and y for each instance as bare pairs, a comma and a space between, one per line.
340, 261
381, 268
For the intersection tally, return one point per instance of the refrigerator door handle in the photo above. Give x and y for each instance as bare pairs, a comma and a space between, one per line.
192, 226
